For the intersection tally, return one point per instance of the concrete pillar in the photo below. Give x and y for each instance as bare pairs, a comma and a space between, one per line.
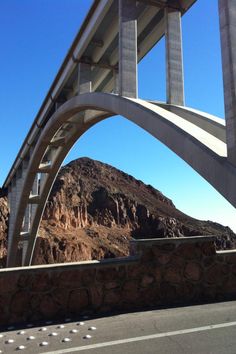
227, 13
26, 228
42, 180
24, 251
35, 186
84, 78
34, 191
26, 225
127, 48
116, 82
16, 190
174, 57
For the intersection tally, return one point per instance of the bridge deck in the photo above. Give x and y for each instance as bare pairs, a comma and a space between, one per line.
97, 43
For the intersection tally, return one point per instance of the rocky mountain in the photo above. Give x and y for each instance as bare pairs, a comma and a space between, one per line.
94, 210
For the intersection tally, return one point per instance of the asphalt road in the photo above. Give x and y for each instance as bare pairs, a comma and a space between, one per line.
201, 329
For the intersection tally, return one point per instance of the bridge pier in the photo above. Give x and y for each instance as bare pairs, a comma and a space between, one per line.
174, 57
127, 49
26, 230
15, 192
23, 237
34, 193
227, 14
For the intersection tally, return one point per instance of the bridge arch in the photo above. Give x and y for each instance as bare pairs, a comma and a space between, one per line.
202, 148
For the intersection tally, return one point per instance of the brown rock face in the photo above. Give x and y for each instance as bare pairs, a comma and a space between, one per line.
94, 210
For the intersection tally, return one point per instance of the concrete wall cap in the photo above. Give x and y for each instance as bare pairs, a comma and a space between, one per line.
110, 262
227, 252
177, 240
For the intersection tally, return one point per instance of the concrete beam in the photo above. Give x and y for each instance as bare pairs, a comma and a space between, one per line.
227, 12
174, 57
98, 42
127, 48
107, 40
57, 142
24, 236
45, 167
157, 3
84, 78
100, 64
34, 199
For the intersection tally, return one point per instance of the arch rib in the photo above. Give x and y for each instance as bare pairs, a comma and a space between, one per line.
200, 149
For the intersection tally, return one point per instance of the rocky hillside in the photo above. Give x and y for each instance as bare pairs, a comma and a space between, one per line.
94, 210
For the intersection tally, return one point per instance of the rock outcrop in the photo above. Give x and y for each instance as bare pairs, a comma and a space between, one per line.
94, 210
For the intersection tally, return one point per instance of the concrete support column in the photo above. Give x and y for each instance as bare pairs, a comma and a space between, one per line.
174, 57
116, 82
26, 224
42, 181
84, 78
127, 48
35, 189
26, 229
227, 13
16, 190
24, 251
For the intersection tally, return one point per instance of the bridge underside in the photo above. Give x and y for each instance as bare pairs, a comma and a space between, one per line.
197, 138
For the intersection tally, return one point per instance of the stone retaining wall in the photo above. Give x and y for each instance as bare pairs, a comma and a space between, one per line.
160, 272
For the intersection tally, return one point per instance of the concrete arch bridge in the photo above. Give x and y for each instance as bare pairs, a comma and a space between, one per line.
97, 80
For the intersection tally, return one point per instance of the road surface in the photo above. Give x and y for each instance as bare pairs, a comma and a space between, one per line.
201, 329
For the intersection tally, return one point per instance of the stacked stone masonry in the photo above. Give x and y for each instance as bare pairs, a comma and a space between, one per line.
159, 273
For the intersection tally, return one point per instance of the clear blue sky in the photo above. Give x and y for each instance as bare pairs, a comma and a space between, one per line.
35, 36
